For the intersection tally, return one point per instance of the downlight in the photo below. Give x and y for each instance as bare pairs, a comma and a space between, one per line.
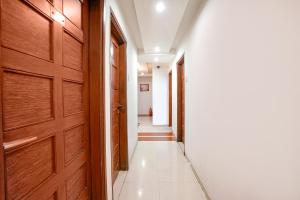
160, 7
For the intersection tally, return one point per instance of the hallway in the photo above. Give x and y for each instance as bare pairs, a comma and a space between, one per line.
159, 171
149, 100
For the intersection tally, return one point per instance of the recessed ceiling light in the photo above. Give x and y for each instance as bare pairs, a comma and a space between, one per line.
156, 59
140, 192
157, 49
160, 6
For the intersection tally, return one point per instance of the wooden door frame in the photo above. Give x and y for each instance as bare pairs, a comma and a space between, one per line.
2, 175
117, 32
170, 98
180, 110
97, 99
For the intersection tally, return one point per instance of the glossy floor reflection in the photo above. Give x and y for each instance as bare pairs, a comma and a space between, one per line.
159, 171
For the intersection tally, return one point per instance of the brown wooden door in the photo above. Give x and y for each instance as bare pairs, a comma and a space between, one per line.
170, 99
44, 91
115, 107
180, 101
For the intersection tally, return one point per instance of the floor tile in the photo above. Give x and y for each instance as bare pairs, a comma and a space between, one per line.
159, 171
139, 190
175, 190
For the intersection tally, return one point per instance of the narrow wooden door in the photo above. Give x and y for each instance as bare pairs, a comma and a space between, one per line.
44, 87
180, 101
170, 99
115, 107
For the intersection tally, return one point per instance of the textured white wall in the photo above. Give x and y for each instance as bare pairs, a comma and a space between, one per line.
144, 98
242, 63
132, 107
160, 96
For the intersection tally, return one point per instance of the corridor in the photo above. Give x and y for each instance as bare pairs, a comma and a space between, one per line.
159, 171
149, 100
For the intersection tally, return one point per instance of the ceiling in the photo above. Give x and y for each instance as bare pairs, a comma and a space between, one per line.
151, 29
159, 29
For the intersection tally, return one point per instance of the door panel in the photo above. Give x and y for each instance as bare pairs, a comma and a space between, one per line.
21, 107
76, 185
44, 91
182, 104
115, 113
74, 142
72, 10
72, 52
19, 21
72, 97
29, 166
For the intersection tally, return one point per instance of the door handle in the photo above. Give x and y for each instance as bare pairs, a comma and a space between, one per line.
17, 143
120, 107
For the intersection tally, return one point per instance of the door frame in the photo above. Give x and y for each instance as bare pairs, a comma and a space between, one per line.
180, 98
170, 98
117, 32
96, 115
97, 99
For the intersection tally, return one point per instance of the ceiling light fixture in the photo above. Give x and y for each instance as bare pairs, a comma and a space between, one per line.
160, 6
156, 59
157, 49
140, 192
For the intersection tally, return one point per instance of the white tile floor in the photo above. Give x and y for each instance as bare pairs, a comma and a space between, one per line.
145, 126
158, 171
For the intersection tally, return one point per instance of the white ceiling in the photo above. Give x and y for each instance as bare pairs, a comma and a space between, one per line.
150, 29
159, 29
150, 58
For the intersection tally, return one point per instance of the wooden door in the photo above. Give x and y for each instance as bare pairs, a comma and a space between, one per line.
180, 101
44, 91
170, 99
115, 107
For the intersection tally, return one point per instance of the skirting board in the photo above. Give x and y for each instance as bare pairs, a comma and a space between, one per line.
131, 156
198, 179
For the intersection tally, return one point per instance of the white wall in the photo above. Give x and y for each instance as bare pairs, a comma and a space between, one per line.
160, 95
144, 98
132, 65
242, 63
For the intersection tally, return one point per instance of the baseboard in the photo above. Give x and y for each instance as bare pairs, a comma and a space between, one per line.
199, 180
144, 115
131, 156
